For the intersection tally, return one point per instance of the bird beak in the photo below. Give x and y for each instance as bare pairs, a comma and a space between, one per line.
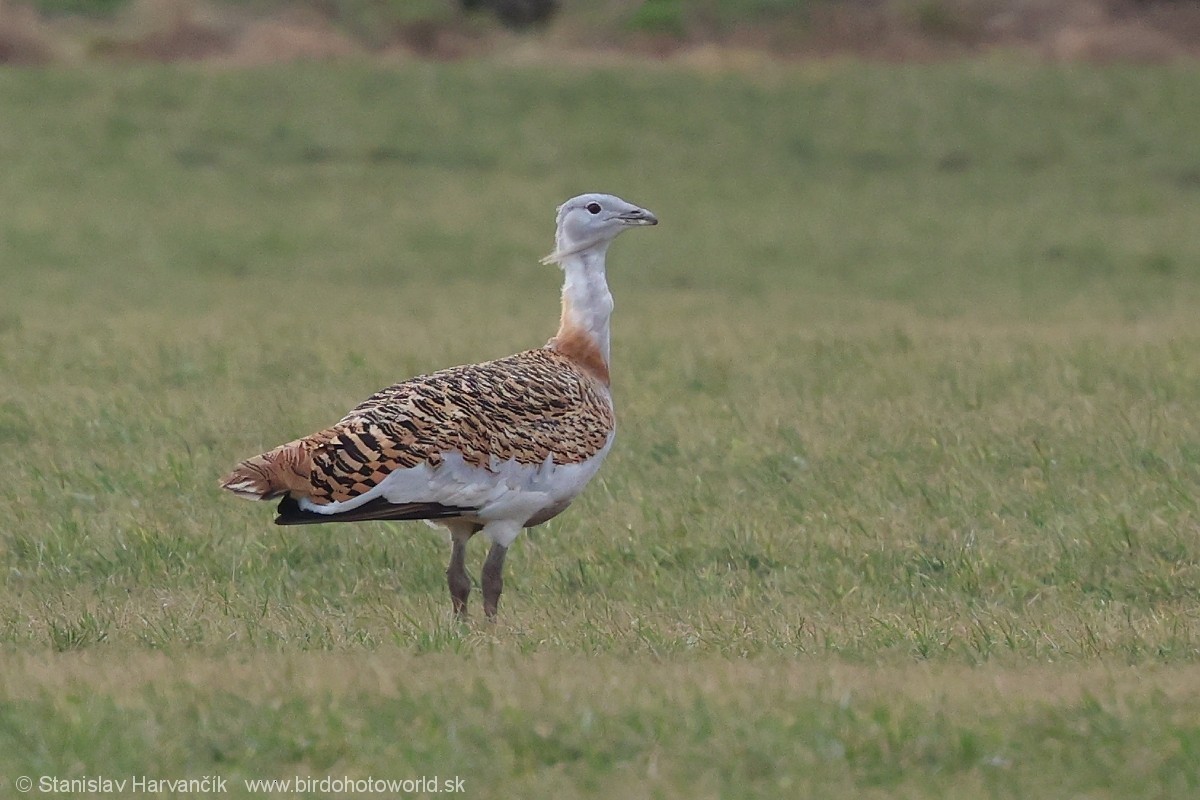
638, 216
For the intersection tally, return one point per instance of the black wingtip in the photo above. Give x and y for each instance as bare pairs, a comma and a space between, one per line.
289, 512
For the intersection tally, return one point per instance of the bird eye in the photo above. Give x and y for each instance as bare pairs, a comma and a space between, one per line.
593, 208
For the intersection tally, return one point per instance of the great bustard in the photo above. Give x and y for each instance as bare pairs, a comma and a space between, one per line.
492, 447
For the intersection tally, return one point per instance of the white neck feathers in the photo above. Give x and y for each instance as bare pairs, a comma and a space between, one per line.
587, 305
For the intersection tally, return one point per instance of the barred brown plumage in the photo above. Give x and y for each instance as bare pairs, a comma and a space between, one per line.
489, 447
524, 408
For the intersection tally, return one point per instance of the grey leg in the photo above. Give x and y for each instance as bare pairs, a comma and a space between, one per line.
493, 580
456, 574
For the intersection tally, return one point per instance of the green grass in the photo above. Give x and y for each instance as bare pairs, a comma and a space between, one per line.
904, 499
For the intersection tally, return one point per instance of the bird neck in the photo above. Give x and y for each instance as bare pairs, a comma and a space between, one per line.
583, 332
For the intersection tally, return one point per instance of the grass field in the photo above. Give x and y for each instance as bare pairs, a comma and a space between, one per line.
904, 498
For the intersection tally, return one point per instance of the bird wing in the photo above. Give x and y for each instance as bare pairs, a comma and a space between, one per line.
448, 440
289, 512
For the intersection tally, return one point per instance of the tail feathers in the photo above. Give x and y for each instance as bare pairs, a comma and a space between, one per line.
272, 474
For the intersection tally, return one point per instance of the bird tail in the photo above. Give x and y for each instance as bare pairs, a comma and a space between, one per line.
272, 474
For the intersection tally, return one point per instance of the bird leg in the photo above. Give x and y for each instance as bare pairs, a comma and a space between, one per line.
493, 581
456, 574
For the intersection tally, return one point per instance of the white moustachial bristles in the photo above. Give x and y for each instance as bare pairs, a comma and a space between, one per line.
492, 447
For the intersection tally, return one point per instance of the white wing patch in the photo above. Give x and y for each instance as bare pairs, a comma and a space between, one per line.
505, 490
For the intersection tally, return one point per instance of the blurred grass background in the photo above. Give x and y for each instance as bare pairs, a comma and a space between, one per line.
904, 496
244, 32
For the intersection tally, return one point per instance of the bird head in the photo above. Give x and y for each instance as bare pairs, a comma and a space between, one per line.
594, 220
